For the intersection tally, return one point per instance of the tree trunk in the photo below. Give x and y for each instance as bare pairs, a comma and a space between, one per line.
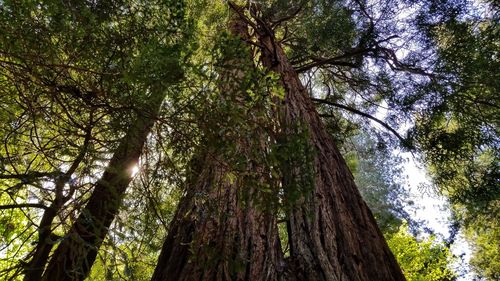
332, 233
218, 231
77, 251
46, 238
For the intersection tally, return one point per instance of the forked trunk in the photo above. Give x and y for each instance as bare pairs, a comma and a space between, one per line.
77, 251
332, 233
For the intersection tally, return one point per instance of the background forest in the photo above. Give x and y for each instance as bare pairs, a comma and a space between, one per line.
205, 139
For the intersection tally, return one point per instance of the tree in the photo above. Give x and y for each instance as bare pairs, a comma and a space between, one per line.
252, 110
459, 133
78, 250
379, 177
90, 85
297, 106
219, 232
325, 234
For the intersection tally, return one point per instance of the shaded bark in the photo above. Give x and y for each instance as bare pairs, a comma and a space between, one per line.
218, 231
332, 233
77, 251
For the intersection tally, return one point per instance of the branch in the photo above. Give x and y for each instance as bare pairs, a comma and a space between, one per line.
288, 17
390, 56
334, 60
25, 205
353, 110
29, 175
357, 51
239, 11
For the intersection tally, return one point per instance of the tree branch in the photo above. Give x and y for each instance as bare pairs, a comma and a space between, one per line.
395, 64
334, 60
29, 175
355, 111
25, 205
288, 17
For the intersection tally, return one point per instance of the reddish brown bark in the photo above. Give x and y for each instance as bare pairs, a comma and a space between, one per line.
219, 232
332, 233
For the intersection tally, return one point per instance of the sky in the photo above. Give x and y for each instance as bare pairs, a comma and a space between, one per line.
433, 209
429, 207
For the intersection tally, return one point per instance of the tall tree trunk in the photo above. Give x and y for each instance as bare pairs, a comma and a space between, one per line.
332, 233
218, 231
77, 251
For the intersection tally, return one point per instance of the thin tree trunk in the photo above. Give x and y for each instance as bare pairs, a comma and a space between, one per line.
218, 231
46, 239
77, 251
332, 233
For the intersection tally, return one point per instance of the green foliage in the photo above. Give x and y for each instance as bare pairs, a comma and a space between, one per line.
320, 28
378, 175
15, 232
73, 75
425, 260
458, 132
482, 234
295, 155
137, 233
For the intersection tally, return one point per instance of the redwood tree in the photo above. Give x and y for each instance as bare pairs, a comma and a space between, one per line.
261, 110
77, 251
219, 231
331, 231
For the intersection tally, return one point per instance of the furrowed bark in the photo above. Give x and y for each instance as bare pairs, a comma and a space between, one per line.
332, 233
218, 232
77, 251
